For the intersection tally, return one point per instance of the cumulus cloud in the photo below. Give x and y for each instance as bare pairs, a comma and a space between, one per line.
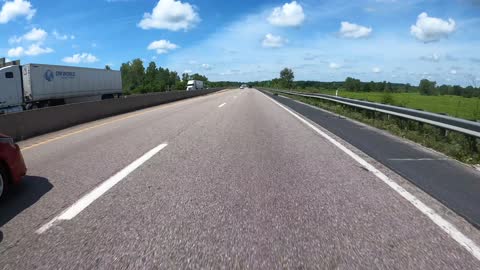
430, 29
162, 46
272, 41
376, 70
80, 58
34, 35
453, 71
15, 52
333, 65
351, 30
171, 15
36, 49
16, 8
290, 14
59, 36
206, 66
32, 50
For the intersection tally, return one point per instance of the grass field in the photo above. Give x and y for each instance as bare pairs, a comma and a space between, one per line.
456, 106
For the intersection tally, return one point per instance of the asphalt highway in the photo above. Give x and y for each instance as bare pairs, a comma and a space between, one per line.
228, 180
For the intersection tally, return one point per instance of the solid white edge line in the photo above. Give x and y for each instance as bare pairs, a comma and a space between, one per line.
446, 226
96, 193
221, 105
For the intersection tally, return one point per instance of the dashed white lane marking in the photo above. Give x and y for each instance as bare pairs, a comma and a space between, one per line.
96, 193
446, 226
221, 105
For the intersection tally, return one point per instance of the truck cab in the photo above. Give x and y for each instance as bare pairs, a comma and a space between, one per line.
194, 85
11, 99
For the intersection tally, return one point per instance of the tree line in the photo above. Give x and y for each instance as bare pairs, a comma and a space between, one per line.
138, 79
425, 86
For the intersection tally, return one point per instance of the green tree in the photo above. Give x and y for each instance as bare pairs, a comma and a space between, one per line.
185, 77
151, 84
286, 77
198, 77
126, 77
427, 87
352, 84
107, 67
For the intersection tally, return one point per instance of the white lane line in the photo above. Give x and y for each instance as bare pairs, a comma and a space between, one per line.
446, 226
221, 105
96, 193
418, 159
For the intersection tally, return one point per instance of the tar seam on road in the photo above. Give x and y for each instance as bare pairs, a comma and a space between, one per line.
221, 105
446, 226
96, 193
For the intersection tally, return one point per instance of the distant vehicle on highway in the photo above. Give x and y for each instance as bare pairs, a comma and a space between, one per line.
195, 85
34, 86
243, 86
12, 165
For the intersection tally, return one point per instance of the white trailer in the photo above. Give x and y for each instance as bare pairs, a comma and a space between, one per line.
35, 85
194, 85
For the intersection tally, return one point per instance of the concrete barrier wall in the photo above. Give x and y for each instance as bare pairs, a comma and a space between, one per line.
32, 123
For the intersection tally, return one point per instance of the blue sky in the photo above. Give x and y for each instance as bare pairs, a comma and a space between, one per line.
393, 40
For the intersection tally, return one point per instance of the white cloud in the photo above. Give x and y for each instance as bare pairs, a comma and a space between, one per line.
34, 35
62, 37
16, 8
351, 30
453, 71
162, 46
376, 70
33, 50
272, 41
333, 65
36, 49
80, 58
171, 15
15, 52
290, 14
430, 29
187, 71
206, 66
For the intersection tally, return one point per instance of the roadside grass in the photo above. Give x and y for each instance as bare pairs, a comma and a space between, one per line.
454, 144
456, 106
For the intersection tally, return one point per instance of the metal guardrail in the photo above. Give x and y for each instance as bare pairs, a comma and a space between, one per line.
446, 122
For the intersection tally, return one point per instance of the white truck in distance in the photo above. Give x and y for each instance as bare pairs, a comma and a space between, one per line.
34, 86
194, 85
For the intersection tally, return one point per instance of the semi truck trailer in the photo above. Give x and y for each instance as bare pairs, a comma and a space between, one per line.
31, 86
194, 85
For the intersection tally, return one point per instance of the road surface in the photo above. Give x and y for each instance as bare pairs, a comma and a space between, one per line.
228, 180
447, 180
